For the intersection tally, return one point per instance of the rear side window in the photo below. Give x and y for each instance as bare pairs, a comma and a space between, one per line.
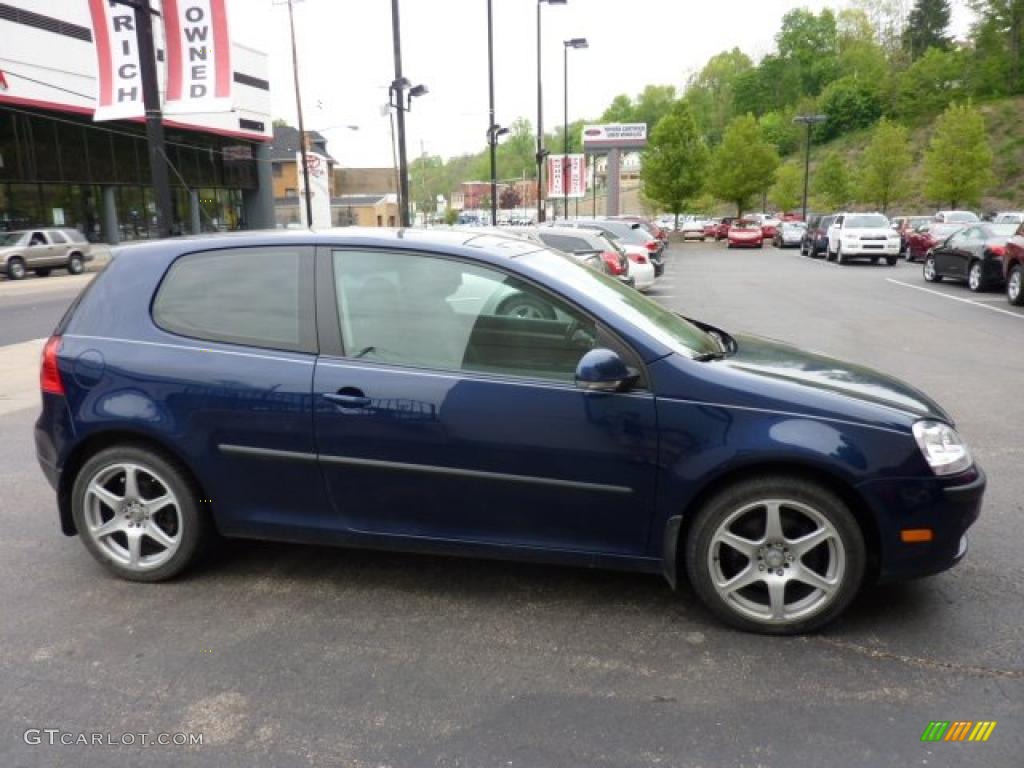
260, 297
57, 237
565, 243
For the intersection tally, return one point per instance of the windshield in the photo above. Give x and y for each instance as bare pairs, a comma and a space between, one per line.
626, 232
874, 221
11, 238
666, 327
962, 217
746, 225
1003, 230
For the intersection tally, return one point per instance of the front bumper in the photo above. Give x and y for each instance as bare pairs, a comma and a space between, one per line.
948, 506
870, 248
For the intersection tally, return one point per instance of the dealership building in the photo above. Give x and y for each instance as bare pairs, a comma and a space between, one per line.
60, 167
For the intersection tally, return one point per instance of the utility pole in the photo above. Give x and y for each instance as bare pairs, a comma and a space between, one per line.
302, 124
810, 121
398, 87
159, 176
492, 138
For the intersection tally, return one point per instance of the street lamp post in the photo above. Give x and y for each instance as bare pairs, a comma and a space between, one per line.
494, 132
810, 121
576, 42
541, 152
492, 138
302, 126
401, 103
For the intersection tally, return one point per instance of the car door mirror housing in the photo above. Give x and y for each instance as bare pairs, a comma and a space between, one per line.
603, 370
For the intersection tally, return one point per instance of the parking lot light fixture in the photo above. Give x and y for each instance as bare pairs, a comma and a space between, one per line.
576, 42
810, 121
541, 152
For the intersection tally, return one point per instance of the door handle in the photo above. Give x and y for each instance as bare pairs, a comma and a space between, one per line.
349, 397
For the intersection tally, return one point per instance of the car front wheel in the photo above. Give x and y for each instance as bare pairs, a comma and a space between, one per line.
1015, 286
929, 271
16, 269
776, 555
137, 514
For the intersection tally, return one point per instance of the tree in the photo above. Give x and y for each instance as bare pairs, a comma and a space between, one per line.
832, 182
886, 165
958, 161
710, 92
788, 190
850, 103
509, 198
619, 111
779, 129
743, 165
675, 160
649, 107
927, 27
1005, 19
932, 83
811, 43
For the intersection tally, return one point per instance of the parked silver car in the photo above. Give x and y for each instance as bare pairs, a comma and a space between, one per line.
42, 250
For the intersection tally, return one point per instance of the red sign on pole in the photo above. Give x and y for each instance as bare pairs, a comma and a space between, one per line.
567, 176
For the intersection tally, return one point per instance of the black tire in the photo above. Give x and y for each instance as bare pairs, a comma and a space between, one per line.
196, 527
15, 269
42, 272
828, 505
874, 259
521, 305
1015, 286
829, 256
75, 264
976, 277
928, 270
840, 259
892, 260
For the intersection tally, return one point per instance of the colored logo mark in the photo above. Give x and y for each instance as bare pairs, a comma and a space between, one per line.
958, 730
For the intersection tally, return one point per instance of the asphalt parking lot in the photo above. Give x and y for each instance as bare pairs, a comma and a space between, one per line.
298, 656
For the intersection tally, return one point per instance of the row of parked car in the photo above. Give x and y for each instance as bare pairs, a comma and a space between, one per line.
952, 245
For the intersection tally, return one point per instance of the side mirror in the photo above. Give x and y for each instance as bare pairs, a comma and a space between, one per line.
602, 370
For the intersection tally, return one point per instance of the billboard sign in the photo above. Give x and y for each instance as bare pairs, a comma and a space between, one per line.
319, 185
117, 52
199, 71
615, 136
567, 176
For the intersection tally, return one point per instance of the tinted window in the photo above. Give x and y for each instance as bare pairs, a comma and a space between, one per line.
260, 297
565, 243
57, 237
444, 314
866, 222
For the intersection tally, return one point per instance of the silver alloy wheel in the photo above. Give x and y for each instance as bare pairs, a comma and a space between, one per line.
133, 516
16, 269
929, 269
783, 579
1014, 286
974, 277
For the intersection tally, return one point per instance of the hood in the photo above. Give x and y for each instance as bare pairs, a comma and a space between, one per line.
784, 362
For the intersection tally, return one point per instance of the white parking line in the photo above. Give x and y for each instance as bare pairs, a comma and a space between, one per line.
956, 298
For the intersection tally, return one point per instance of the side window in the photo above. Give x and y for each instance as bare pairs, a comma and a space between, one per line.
261, 297
56, 237
838, 221
37, 238
565, 243
444, 314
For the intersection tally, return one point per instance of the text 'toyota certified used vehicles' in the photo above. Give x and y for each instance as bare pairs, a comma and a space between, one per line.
863, 236
365, 388
43, 250
744, 233
973, 255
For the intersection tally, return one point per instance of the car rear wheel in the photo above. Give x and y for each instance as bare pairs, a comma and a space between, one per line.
1015, 286
16, 269
929, 271
976, 277
776, 555
75, 264
137, 514
892, 260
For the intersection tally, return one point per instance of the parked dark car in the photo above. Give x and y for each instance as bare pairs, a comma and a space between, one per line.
973, 255
1013, 268
386, 389
926, 236
815, 240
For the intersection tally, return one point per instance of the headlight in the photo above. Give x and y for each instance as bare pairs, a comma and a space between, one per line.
942, 447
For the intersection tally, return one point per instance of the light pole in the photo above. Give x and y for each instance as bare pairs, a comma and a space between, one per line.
302, 125
492, 126
576, 42
494, 132
810, 121
541, 152
401, 104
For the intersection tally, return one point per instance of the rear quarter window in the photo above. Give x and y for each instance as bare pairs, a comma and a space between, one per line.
260, 297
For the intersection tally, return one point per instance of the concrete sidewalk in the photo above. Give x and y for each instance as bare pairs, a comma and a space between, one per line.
19, 376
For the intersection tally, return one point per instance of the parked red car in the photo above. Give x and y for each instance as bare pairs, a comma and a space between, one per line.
1013, 268
927, 236
711, 228
746, 234
906, 225
722, 230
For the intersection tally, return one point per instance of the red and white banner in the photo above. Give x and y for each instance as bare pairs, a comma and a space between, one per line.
567, 175
117, 51
320, 190
199, 72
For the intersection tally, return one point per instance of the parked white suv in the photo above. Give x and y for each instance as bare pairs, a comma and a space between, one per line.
863, 236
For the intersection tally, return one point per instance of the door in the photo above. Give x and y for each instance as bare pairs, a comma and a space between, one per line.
39, 251
951, 258
452, 412
59, 248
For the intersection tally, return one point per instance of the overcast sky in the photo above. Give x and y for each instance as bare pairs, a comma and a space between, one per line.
346, 60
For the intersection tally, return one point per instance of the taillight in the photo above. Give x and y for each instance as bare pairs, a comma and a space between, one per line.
49, 373
614, 262
997, 250
638, 258
652, 245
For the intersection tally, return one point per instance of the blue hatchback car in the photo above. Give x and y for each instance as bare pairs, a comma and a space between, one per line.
459, 393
